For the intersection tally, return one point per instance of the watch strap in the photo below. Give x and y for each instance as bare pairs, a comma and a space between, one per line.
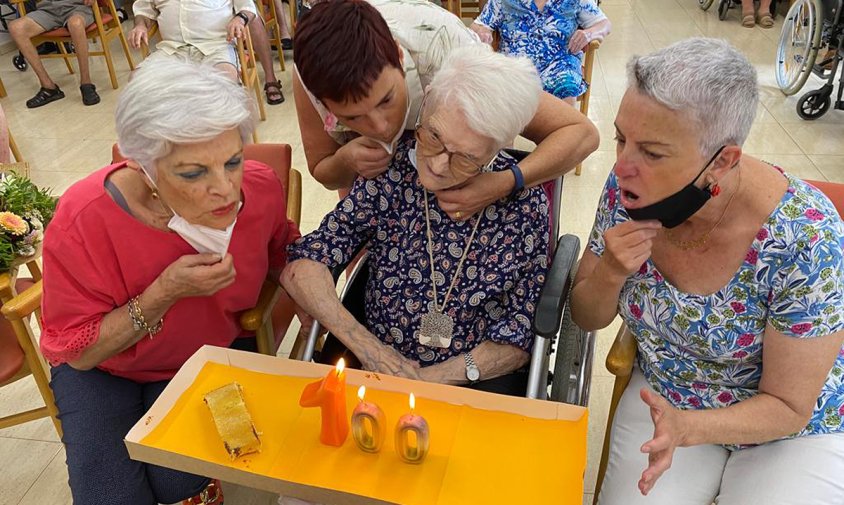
520, 179
243, 16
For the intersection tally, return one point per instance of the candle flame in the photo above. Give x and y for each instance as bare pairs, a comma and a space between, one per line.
361, 392
340, 366
412, 402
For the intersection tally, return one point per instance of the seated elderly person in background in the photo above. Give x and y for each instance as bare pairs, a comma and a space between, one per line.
148, 260
552, 33
447, 300
729, 274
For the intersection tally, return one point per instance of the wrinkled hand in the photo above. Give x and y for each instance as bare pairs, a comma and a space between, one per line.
578, 41
669, 433
382, 358
475, 195
236, 29
628, 245
138, 36
197, 275
365, 156
484, 33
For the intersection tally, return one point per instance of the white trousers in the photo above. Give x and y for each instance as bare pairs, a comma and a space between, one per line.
801, 471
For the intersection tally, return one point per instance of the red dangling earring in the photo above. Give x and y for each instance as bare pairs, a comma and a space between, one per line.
715, 190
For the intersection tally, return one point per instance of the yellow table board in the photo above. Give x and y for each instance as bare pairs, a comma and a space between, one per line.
478, 454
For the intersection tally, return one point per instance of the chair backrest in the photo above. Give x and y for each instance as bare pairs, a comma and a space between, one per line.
834, 191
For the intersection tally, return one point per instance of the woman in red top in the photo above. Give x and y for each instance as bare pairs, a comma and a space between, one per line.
148, 260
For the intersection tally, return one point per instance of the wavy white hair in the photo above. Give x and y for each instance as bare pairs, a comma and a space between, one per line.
706, 79
173, 102
498, 94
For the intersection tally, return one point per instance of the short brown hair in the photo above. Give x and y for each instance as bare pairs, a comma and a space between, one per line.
342, 46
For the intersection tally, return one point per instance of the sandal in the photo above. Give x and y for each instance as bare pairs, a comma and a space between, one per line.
89, 94
44, 96
748, 20
765, 21
273, 89
211, 495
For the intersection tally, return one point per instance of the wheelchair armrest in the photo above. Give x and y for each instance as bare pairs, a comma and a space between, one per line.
555, 292
622, 353
254, 318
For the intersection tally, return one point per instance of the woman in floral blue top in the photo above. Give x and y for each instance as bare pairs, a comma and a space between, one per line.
552, 33
730, 275
461, 311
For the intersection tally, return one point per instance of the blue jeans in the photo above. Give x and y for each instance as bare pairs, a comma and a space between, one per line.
97, 409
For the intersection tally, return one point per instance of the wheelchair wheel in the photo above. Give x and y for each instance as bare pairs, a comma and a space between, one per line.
798, 46
814, 104
705, 4
564, 386
19, 62
723, 7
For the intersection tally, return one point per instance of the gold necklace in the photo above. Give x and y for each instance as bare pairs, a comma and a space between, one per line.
437, 328
688, 245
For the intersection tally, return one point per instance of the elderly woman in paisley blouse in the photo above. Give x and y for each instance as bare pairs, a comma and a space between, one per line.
552, 33
730, 275
447, 300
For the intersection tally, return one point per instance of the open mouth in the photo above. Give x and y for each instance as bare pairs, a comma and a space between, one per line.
629, 199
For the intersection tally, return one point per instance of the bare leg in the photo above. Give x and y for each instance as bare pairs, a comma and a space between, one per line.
765, 7
76, 27
22, 30
284, 18
229, 69
747, 8
261, 44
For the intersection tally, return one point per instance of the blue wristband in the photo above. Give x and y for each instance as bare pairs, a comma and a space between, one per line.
520, 179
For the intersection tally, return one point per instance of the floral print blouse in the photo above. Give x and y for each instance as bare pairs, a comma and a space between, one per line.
543, 36
705, 352
496, 295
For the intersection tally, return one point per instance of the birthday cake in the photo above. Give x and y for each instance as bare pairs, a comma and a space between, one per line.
232, 419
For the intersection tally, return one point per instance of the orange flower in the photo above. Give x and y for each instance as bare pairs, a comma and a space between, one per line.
13, 223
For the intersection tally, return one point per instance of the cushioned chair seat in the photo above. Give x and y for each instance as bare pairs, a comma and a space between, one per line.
11, 354
62, 32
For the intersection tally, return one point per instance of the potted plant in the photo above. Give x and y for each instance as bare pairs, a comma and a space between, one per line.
25, 209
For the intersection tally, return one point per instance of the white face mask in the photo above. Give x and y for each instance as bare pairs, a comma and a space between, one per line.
202, 238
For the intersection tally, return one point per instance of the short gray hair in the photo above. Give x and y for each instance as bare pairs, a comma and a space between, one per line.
498, 94
174, 102
706, 79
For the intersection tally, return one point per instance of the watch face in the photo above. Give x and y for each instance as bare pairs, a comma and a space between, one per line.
473, 374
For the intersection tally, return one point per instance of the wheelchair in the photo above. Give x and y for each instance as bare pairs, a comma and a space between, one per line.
810, 26
724, 7
554, 331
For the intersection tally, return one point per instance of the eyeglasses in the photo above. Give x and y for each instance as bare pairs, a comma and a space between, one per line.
428, 143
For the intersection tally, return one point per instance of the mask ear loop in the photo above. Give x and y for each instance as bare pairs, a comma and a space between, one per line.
714, 189
155, 195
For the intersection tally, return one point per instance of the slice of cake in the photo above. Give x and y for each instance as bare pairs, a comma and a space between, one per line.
234, 424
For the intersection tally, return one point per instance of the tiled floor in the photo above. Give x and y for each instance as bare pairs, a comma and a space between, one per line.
65, 140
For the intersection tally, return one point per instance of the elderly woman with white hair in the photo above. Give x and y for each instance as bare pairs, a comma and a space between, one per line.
146, 261
729, 273
447, 300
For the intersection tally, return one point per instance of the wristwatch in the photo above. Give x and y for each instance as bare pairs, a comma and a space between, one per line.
242, 16
473, 373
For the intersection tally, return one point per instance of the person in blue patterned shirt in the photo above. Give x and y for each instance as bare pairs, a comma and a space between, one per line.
552, 33
445, 297
729, 273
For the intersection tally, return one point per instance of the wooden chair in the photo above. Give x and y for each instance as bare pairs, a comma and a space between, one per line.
13, 146
273, 26
274, 311
106, 27
3, 93
249, 75
622, 354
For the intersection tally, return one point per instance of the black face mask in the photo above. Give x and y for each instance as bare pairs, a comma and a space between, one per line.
673, 210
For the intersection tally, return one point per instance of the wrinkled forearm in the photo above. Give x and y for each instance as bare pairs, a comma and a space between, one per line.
310, 285
493, 360
333, 173
594, 299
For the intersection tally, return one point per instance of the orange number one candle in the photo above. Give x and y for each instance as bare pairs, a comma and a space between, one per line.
329, 394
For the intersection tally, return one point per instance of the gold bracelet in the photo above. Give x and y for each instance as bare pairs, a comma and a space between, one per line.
139, 322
